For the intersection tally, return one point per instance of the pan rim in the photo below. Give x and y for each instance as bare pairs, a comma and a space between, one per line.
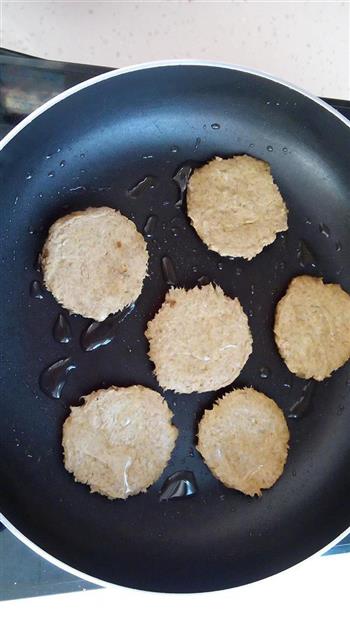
46, 106
102, 583
154, 65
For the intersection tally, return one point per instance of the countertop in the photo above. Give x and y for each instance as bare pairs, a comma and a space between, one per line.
306, 43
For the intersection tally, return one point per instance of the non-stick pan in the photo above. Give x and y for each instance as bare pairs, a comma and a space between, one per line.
90, 147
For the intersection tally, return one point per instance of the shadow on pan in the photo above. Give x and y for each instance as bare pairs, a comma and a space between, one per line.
88, 150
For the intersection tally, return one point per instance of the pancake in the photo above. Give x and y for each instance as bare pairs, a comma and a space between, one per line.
235, 206
119, 441
244, 441
94, 262
199, 340
312, 327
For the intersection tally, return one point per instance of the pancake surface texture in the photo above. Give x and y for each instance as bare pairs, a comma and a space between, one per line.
312, 327
235, 206
94, 262
199, 340
244, 440
119, 441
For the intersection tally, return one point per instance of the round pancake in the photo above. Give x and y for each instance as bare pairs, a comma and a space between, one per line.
312, 327
94, 262
235, 206
199, 340
119, 441
244, 441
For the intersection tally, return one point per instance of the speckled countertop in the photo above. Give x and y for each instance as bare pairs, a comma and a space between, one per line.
307, 43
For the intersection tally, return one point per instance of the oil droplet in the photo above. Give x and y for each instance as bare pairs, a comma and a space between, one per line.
54, 377
284, 149
179, 484
37, 263
36, 290
147, 183
220, 266
82, 155
99, 334
238, 271
40, 195
269, 148
31, 231
181, 178
49, 156
324, 230
287, 385
175, 231
62, 163
203, 280
252, 289
305, 255
215, 126
308, 221
174, 149
251, 145
251, 313
302, 404
77, 188
168, 269
194, 268
338, 247
150, 226
62, 330
29, 176
264, 372
51, 174
197, 143
147, 156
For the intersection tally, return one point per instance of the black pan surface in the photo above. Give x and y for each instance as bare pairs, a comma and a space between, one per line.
88, 150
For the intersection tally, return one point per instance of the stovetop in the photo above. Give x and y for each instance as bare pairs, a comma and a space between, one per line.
25, 84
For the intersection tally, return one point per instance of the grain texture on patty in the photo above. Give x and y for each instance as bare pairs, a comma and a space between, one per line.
235, 206
119, 441
312, 327
94, 262
199, 340
244, 441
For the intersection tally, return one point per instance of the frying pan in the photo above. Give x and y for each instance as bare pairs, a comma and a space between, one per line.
89, 147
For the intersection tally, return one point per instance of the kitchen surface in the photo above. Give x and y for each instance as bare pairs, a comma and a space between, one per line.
306, 43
